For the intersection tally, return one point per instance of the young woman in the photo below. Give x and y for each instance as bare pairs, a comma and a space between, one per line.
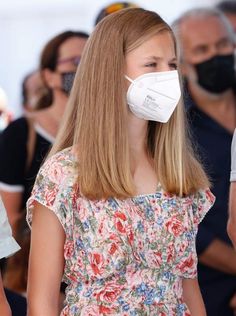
115, 209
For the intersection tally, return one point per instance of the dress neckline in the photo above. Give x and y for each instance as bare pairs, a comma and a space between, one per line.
150, 195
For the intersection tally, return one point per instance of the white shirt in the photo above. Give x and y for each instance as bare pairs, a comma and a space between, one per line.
8, 245
233, 158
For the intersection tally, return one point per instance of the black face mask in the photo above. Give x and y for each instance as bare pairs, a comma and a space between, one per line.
67, 81
217, 74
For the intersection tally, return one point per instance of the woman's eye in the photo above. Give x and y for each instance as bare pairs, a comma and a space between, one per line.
173, 66
151, 65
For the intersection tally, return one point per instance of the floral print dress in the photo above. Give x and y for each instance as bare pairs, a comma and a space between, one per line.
122, 257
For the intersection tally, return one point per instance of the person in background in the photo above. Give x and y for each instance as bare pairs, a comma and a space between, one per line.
25, 143
229, 9
206, 43
112, 8
8, 246
33, 90
116, 206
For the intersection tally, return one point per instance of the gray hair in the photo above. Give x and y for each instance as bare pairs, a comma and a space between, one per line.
205, 13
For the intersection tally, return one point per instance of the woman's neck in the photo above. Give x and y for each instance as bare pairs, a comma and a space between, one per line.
50, 118
137, 132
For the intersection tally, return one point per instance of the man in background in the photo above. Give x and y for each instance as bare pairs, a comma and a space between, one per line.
206, 42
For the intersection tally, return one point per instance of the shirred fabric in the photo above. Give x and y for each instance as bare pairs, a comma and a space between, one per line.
122, 257
8, 245
233, 158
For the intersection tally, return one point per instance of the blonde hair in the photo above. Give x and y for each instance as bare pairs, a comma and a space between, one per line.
96, 116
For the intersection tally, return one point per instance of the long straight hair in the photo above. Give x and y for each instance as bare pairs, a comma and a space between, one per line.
96, 118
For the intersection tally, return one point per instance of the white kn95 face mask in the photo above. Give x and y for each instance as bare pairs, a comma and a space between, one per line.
154, 96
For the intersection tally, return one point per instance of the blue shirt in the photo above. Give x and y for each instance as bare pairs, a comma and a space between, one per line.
213, 144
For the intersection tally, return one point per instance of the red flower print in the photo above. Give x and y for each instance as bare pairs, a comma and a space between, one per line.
50, 196
68, 249
120, 227
131, 236
97, 263
120, 215
113, 248
188, 265
120, 218
174, 226
105, 310
109, 293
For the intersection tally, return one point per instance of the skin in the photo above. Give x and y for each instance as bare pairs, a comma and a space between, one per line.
232, 214
201, 39
231, 227
49, 118
4, 306
34, 86
156, 54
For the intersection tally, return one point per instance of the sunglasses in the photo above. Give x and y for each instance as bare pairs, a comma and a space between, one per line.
74, 60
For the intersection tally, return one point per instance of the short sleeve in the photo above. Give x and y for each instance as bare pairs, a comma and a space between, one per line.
233, 158
8, 245
13, 142
203, 201
52, 188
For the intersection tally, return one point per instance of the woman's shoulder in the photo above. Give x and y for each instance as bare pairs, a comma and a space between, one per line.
55, 184
64, 158
16, 130
202, 202
58, 166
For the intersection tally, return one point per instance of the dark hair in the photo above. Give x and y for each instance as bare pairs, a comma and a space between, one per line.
227, 6
49, 58
113, 7
50, 52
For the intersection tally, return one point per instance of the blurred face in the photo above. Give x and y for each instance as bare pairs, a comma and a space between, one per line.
68, 59
69, 54
207, 47
203, 38
155, 55
34, 88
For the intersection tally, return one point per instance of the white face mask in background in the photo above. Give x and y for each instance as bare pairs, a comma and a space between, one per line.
154, 96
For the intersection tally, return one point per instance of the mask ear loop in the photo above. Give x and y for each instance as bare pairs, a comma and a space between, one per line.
130, 80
